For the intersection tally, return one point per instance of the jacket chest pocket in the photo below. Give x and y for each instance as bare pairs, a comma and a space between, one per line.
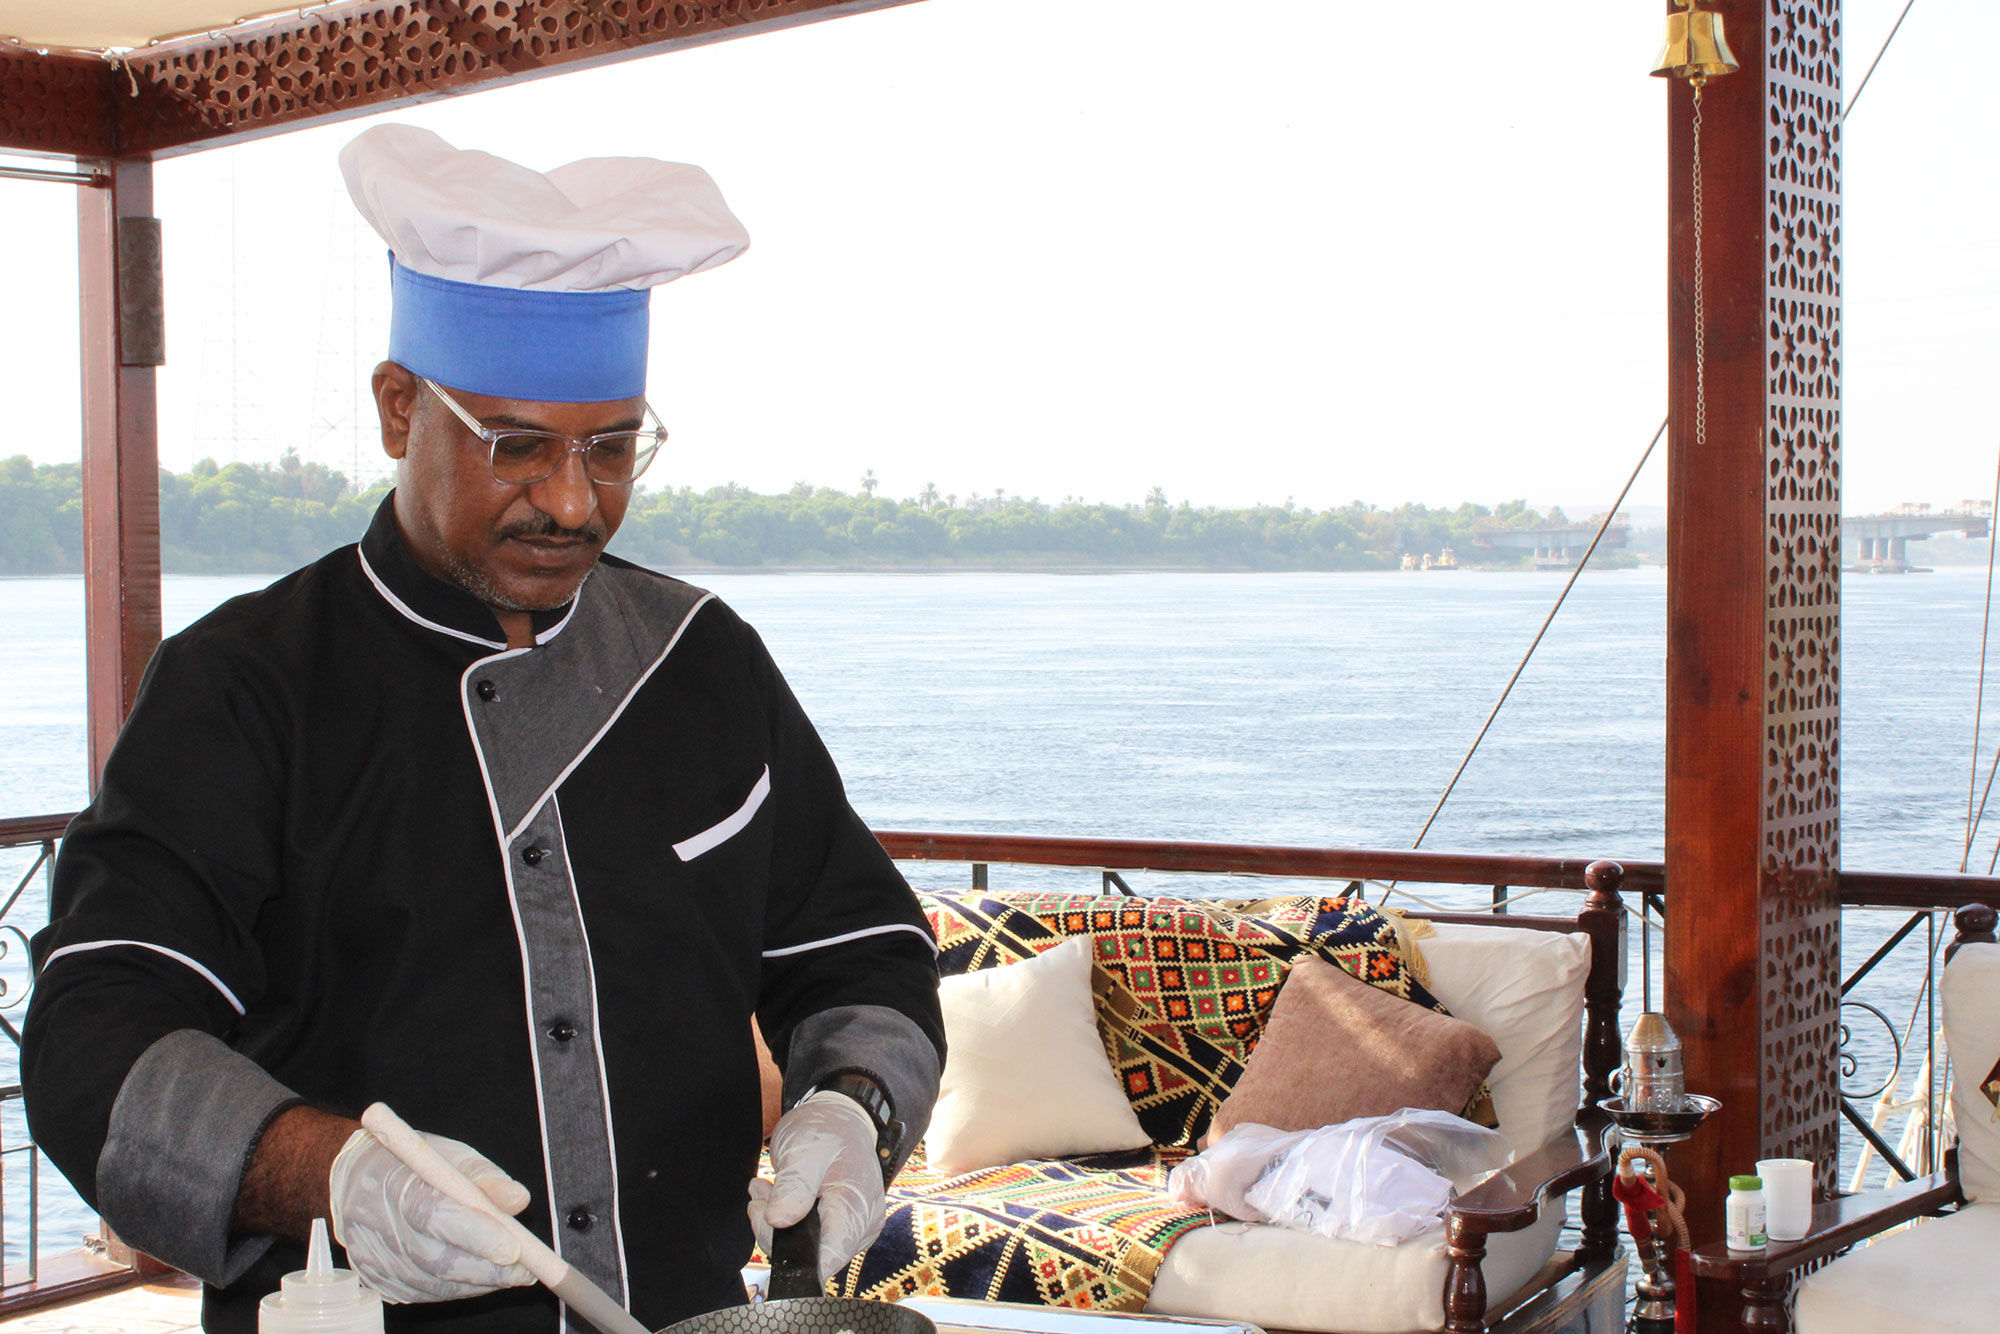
729, 826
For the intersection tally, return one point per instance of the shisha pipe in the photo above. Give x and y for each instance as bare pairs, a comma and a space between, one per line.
1645, 1201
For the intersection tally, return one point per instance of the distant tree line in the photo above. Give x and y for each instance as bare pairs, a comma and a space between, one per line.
245, 518
271, 517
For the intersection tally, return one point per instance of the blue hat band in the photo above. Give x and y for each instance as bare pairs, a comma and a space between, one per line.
504, 342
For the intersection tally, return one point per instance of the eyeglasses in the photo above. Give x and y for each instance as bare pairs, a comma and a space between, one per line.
523, 457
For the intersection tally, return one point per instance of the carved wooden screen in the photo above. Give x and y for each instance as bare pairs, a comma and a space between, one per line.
348, 60
1801, 928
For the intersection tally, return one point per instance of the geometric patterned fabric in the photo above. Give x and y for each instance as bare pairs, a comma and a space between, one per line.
1086, 1232
1184, 989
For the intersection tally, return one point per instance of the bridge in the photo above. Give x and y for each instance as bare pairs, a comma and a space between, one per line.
1555, 548
1883, 538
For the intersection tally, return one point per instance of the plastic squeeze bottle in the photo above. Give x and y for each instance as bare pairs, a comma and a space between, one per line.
320, 1298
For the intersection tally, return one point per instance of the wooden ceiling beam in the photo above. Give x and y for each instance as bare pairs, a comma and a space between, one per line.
55, 104
331, 65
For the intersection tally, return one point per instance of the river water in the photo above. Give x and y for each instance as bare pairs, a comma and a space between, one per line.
1325, 709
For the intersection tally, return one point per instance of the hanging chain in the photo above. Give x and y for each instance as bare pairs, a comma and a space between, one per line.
1700, 320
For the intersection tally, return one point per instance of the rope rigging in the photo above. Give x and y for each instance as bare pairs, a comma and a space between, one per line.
1701, 424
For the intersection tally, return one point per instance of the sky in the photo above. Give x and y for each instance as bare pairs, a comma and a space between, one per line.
1333, 254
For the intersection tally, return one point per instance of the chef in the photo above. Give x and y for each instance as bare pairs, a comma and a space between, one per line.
479, 822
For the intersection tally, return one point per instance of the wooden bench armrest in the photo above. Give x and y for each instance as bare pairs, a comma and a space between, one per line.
1512, 1198
1836, 1225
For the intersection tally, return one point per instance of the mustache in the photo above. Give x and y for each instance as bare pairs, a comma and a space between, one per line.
544, 525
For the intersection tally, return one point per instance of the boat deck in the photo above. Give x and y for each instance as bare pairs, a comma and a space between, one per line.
153, 1308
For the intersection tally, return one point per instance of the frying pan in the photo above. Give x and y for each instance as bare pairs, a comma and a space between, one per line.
798, 1302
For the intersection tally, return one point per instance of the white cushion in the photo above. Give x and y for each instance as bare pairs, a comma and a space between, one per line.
1936, 1277
1284, 1279
1525, 989
1027, 1076
1971, 993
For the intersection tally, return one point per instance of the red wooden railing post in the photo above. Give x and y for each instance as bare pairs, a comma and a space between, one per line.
1753, 598
118, 264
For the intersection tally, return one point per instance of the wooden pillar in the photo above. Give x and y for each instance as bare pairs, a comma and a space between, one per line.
118, 263
1753, 603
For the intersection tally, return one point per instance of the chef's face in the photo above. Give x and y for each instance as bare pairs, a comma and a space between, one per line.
517, 548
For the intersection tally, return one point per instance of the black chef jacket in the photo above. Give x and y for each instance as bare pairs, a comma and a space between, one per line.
350, 847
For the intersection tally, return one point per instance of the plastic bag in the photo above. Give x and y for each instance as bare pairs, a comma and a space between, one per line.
1380, 1179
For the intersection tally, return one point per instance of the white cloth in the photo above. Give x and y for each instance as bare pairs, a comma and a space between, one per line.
1378, 1179
592, 225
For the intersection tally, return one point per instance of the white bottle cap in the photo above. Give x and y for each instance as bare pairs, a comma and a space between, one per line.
320, 1298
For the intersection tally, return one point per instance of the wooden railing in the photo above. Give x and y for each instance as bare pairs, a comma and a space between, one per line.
1113, 854
21, 830
1914, 890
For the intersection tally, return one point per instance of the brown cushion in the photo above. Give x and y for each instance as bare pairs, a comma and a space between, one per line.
1336, 1049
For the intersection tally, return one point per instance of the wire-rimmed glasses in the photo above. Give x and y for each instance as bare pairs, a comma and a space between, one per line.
522, 457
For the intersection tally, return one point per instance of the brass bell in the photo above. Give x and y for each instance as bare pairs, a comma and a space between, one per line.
1696, 49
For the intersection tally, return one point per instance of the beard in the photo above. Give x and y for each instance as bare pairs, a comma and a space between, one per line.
476, 582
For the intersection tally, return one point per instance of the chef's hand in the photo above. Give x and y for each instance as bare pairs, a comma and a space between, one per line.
823, 1149
411, 1243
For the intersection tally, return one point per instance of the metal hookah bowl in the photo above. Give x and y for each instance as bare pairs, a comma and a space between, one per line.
1652, 1080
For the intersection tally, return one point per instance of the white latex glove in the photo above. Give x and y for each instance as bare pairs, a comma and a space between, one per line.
411, 1243
823, 1149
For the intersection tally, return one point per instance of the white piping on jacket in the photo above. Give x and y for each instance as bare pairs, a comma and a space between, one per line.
844, 937
175, 955
424, 621
575, 601
542, 638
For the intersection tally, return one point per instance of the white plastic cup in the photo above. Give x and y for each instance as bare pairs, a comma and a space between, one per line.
1788, 1192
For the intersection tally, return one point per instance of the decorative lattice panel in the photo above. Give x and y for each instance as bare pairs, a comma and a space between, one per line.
1800, 948
373, 56
54, 104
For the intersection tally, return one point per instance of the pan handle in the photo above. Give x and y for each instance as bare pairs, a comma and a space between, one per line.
795, 1259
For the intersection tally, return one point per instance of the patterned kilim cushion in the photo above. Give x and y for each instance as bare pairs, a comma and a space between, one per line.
1184, 986
1079, 1232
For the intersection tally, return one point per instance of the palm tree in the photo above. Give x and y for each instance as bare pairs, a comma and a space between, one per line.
869, 482
928, 497
1156, 499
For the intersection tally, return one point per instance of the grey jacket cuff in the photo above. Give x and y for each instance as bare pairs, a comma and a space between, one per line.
884, 1042
186, 1121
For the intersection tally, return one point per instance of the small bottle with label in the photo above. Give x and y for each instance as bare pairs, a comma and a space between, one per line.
1743, 1227
320, 1298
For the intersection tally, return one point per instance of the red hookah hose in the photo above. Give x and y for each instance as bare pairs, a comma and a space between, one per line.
1640, 1196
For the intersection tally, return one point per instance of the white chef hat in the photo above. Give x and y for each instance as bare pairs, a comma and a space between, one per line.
531, 285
